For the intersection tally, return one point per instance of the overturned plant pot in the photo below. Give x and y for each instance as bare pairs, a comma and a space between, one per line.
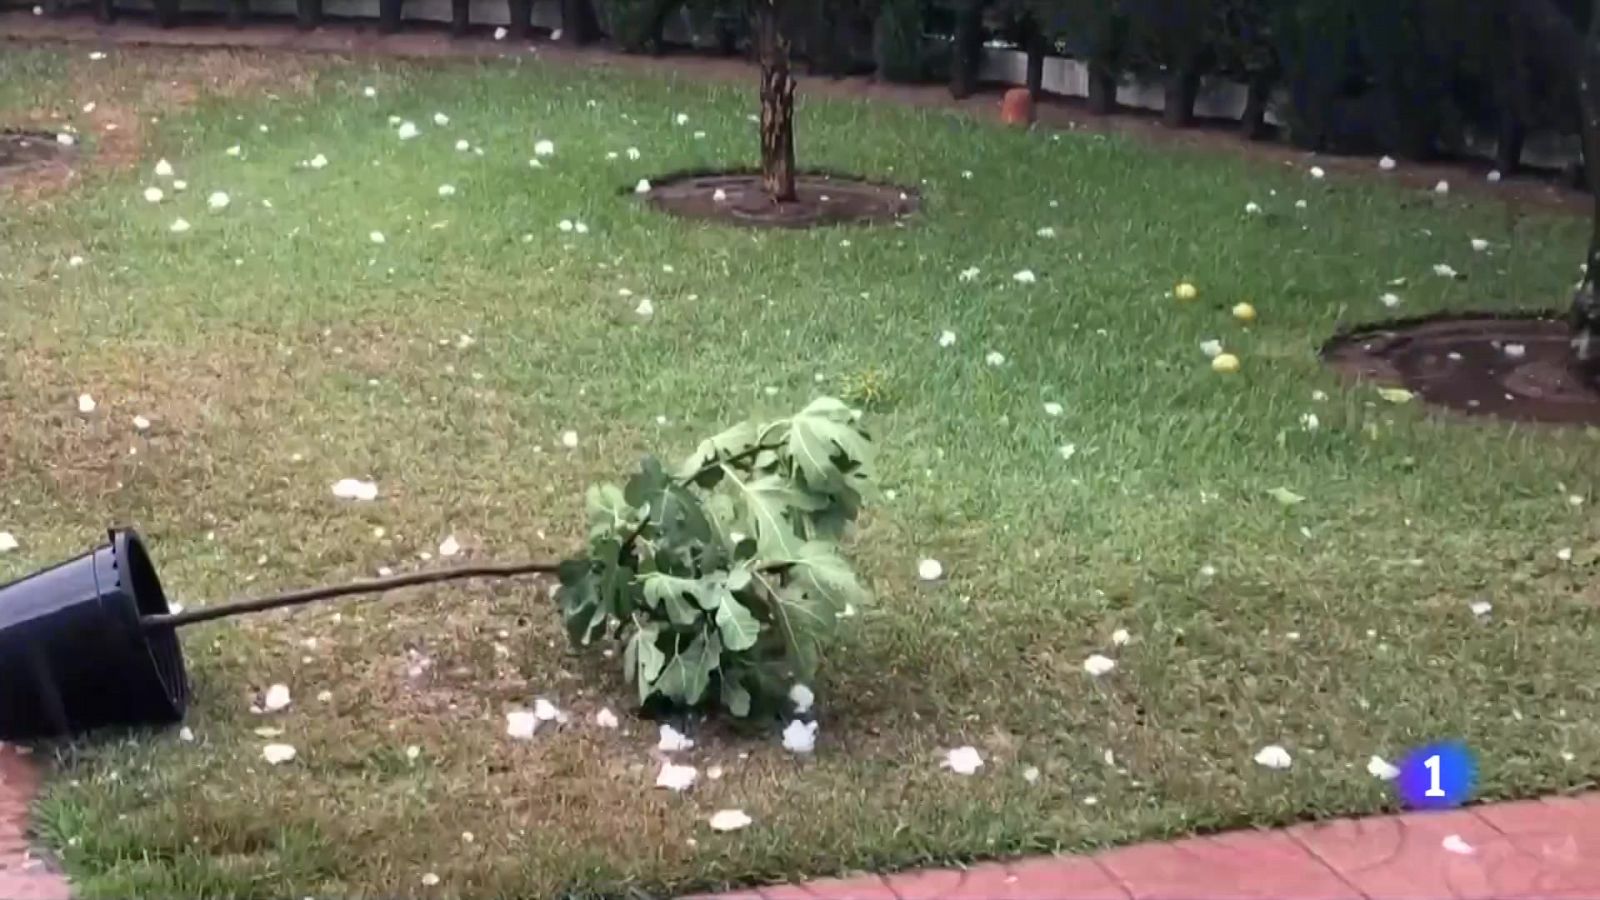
737, 198
1513, 367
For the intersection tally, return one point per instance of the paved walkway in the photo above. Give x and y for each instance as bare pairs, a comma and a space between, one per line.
1533, 850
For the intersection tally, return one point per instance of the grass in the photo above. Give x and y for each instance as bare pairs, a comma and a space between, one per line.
279, 349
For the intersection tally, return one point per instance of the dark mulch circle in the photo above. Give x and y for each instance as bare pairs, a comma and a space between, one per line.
1507, 367
824, 199
21, 150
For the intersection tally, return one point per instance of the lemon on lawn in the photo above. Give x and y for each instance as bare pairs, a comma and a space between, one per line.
1244, 312
1185, 291
1226, 363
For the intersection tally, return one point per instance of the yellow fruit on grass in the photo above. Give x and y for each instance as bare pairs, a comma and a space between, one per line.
1244, 312
1185, 291
1226, 363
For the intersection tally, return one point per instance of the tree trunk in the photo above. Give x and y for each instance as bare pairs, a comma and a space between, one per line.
777, 105
104, 11
521, 19
1038, 47
1254, 119
389, 13
1509, 142
1585, 317
1102, 90
968, 46
308, 14
578, 25
1178, 97
238, 12
460, 17
166, 13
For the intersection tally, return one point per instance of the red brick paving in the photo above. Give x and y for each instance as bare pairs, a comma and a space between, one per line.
1531, 850
22, 877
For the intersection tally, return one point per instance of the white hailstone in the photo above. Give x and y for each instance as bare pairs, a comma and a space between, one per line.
65, 140
1454, 844
963, 761
729, 820
186, 734
699, 135
969, 273
1479, 244
407, 131
8, 542
673, 741
1098, 665
930, 570
1564, 554
355, 489
154, 195
430, 879
1494, 176
180, 185
277, 698
1310, 422
369, 91
569, 439
463, 145
1480, 608
449, 547
1120, 637
1208, 571
75, 261
441, 119
1067, 451
545, 711
1515, 351
605, 718
719, 196
178, 226
413, 753
521, 724
1052, 409
800, 737
681, 118
1319, 395
1252, 208
96, 56
1046, 232
947, 338
377, 237
580, 228
1443, 187
218, 200
447, 190
995, 358
544, 148
1273, 757
38, 10
1025, 276
1299, 204
86, 404
500, 34
1316, 172
324, 696
163, 169
564, 224
1443, 270
674, 777
1211, 348
633, 153
1390, 300
966, 173
643, 187
1031, 774
318, 162
802, 698
278, 754
1386, 163
1378, 767
235, 150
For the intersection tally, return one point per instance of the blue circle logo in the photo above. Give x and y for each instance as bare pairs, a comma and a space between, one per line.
1437, 776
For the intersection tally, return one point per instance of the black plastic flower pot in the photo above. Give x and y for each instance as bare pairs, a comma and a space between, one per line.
76, 653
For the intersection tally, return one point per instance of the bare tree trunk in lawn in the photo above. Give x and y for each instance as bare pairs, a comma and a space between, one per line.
777, 103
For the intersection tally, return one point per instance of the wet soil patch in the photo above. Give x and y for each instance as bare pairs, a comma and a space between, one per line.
736, 198
22, 151
1507, 367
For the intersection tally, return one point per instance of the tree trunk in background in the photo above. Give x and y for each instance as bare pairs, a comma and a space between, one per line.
1102, 90
1037, 47
578, 24
968, 46
1254, 119
308, 13
1585, 317
521, 18
1178, 97
460, 17
104, 12
389, 16
777, 104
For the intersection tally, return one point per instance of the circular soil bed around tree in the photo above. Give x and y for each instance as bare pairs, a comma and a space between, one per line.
24, 150
823, 200
1483, 365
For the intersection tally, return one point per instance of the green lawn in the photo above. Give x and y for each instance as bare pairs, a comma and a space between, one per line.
277, 350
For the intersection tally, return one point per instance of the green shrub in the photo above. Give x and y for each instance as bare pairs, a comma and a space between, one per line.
898, 46
724, 578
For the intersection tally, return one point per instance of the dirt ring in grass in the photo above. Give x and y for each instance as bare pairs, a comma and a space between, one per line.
824, 199
1508, 367
25, 151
